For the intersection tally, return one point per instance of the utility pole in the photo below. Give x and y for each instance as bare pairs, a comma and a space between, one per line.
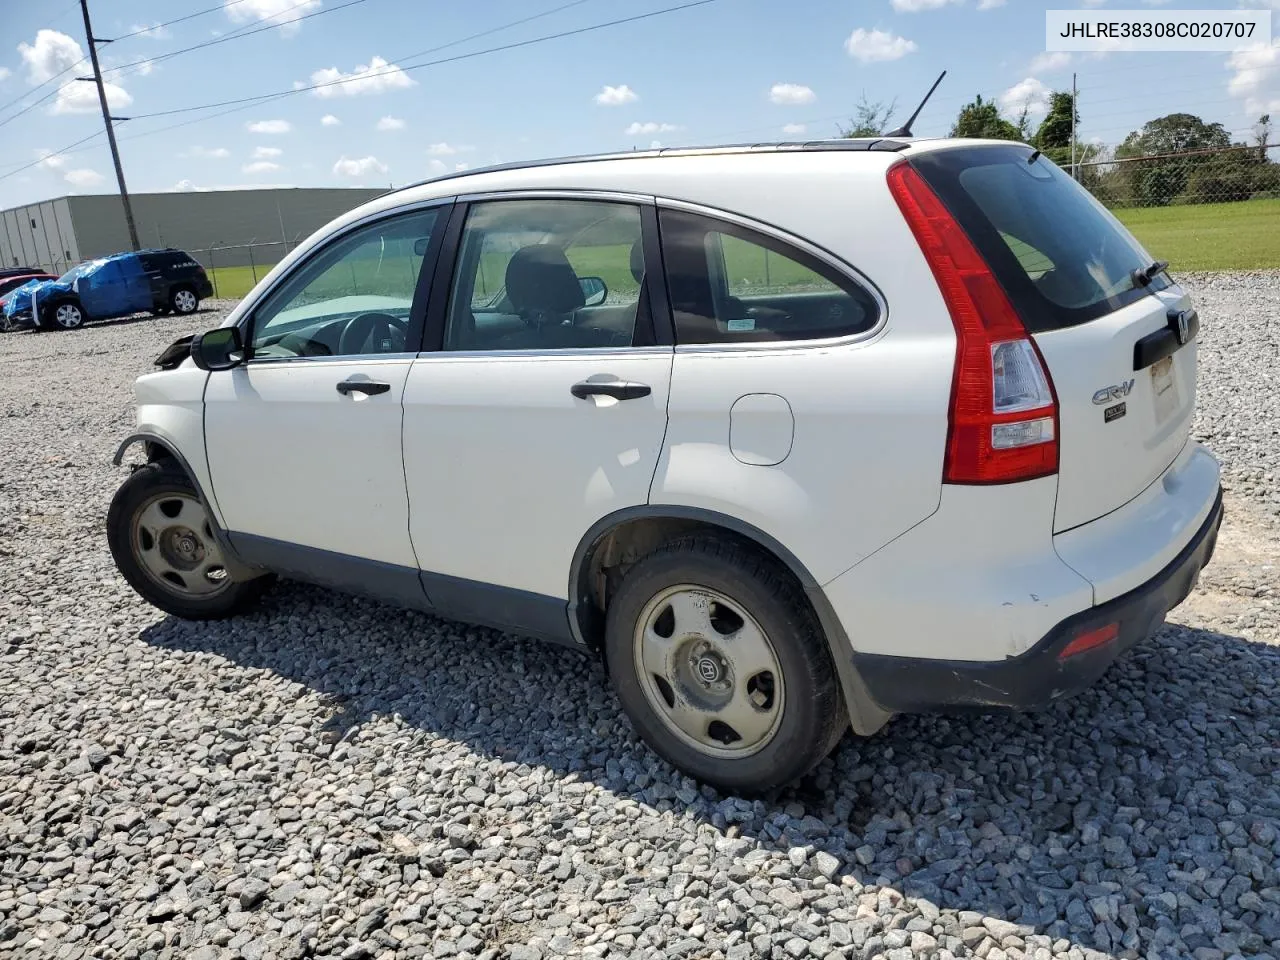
107, 119
1073, 125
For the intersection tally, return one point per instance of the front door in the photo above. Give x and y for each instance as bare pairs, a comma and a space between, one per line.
544, 409
304, 438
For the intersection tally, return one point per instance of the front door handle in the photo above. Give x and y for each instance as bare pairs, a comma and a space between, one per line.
618, 389
367, 387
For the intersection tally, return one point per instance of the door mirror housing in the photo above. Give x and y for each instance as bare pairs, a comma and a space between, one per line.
219, 349
594, 290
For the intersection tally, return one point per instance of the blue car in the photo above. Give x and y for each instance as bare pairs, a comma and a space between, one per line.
159, 281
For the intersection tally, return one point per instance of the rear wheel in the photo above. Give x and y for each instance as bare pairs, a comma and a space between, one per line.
163, 543
64, 315
722, 667
183, 300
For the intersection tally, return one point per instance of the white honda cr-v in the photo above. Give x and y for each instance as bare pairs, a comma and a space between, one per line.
797, 436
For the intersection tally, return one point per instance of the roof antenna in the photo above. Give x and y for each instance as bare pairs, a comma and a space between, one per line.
905, 129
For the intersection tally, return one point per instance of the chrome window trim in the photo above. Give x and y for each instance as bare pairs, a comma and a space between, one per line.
347, 359
249, 308
659, 350
850, 272
559, 193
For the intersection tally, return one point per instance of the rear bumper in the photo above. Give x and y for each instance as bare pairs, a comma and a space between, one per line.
204, 289
1039, 677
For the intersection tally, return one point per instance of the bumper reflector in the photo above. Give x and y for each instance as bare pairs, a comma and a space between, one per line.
1090, 639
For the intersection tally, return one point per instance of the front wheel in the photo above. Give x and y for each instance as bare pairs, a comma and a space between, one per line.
163, 543
66, 315
184, 300
722, 667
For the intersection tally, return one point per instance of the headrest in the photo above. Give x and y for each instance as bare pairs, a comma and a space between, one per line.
541, 279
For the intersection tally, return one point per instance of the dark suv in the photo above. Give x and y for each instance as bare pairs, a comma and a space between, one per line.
178, 283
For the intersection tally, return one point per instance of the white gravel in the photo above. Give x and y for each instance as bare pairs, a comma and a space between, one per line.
329, 777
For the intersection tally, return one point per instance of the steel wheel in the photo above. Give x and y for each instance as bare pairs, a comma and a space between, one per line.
709, 671
174, 544
184, 301
68, 316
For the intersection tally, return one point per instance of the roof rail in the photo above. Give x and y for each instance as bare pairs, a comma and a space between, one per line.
860, 144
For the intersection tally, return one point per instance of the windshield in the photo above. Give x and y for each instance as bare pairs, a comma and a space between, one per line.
74, 272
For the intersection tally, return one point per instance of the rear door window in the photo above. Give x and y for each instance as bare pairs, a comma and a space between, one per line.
1061, 256
729, 284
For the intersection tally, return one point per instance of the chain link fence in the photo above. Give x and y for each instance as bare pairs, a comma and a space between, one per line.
1229, 175
235, 268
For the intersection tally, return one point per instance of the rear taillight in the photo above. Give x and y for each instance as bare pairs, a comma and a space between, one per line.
1090, 640
1003, 420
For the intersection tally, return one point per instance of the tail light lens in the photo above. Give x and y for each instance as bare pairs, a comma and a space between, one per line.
1003, 417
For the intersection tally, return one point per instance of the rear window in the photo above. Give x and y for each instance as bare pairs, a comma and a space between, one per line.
1060, 255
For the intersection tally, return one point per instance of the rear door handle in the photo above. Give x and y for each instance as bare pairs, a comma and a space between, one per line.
618, 389
367, 387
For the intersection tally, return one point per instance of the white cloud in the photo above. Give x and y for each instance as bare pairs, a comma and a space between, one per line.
461, 166
260, 166
794, 129
791, 93
1256, 77
329, 120
359, 168
616, 96
207, 153
50, 160
284, 12
50, 54
378, 76
650, 127
190, 186
992, 4
655, 144
266, 153
447, 149
1048, 62
76, 97
1029, 93
153, 32
4, 73
1093, 3
915, 6
183, 186
83, 177
874, 46
389, 124
269, 126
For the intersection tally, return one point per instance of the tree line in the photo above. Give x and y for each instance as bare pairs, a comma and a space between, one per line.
1209, 167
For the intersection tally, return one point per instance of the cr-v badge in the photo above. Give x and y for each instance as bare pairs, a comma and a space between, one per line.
1117, 391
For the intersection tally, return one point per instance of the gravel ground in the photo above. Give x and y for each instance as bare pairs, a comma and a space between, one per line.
330, 777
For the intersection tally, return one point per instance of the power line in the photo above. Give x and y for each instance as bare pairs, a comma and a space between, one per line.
189, 16
431, 63
238, 36
57, 153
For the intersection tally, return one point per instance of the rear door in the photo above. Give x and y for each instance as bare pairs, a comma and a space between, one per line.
1120, 347
536, 414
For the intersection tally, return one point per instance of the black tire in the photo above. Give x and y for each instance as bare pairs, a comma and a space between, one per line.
812, 717
62, 315
128, 538
184, 300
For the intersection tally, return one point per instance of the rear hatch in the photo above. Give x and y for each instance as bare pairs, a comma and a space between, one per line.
1120, 349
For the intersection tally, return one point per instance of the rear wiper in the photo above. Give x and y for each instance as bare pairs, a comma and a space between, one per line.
1142, 276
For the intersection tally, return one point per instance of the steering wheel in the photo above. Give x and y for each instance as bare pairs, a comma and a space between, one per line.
379, 328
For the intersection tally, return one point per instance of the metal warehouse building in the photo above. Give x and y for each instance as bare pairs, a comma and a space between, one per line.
219, 228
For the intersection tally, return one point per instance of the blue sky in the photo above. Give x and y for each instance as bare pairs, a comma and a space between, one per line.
726, 71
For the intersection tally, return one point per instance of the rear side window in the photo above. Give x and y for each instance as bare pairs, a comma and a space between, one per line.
1061, 256
728, 284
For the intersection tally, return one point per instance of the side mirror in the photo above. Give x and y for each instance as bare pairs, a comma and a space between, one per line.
218, 349
594, 290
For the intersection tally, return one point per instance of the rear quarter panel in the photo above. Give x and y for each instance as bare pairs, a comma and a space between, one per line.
870, 414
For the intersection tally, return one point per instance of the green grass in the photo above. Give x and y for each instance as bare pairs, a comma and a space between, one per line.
232, 283
1210, 236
